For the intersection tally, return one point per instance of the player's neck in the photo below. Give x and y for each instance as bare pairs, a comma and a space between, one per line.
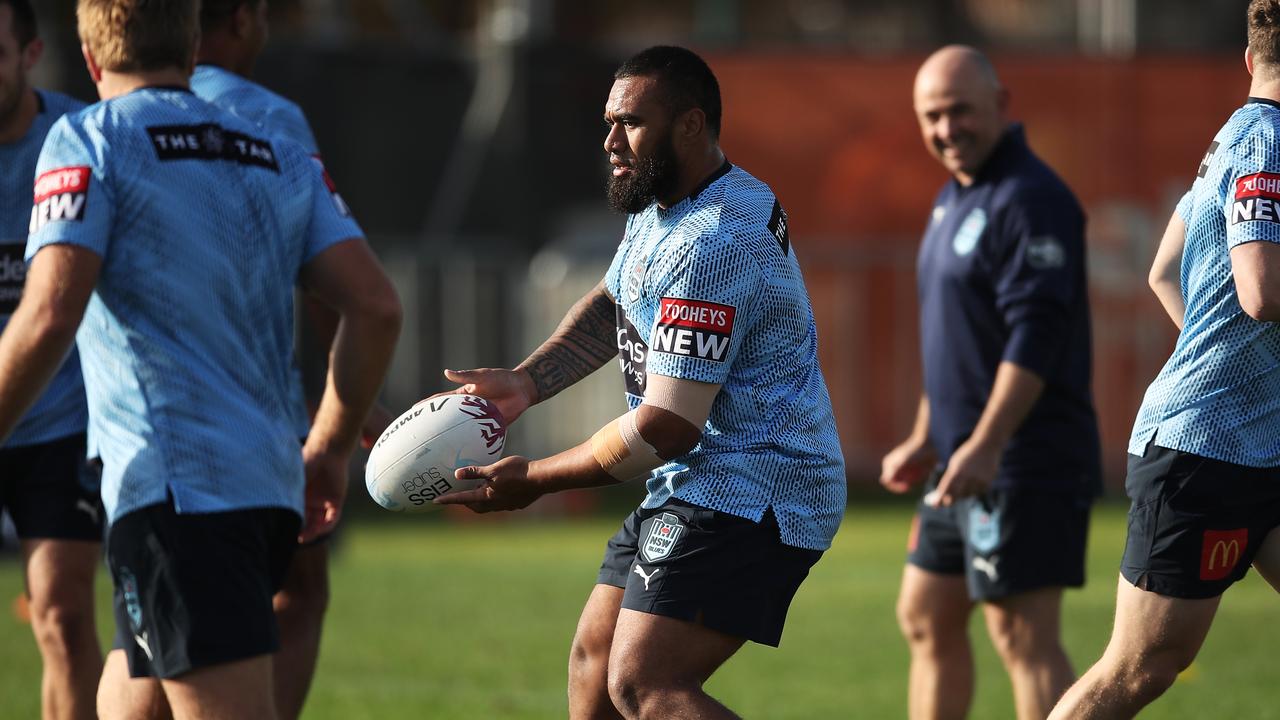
1265, 87
114, 84
693, 175
14, 127
225, 56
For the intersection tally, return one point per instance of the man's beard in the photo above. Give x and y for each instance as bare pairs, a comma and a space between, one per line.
652, 176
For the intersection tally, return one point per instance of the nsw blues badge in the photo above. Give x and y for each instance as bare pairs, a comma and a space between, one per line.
966, 238
984, 528
664, 533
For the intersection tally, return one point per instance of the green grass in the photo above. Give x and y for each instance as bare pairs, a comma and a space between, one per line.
473, 620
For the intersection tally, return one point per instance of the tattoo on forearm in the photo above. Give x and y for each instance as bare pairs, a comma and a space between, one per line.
583, 343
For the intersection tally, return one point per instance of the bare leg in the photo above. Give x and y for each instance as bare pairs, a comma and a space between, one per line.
121, 697
1154, 639
658, 666
589, 658
1267, 561
300, 606
228, 691
59, 576
933, 613
1026, 631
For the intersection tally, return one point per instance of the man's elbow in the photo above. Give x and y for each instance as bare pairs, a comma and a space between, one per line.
670, 435
1259, 305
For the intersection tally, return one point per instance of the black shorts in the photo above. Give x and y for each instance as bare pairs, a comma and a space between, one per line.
721, 571
1195, 523
51, 491
1006, 542
194, 590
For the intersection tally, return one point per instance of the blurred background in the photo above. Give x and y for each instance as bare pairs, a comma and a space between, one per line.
466, 135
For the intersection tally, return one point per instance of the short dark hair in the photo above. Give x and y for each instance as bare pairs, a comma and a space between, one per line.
1264, 31
215, 13
24, 21
684, 79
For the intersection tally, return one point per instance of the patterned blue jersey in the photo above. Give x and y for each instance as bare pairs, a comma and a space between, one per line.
202, 225
277, 116
710, 290
247, 99
60, 411
1218, 396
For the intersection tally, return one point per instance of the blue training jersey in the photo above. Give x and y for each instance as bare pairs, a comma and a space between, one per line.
1001, 278
710, 290
202, 224
1218, 396
60, 411
247, 99
277, 116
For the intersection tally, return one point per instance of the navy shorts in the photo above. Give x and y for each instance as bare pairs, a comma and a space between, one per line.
1195, 523
194, 589
724, 572
51, 491
1006, 542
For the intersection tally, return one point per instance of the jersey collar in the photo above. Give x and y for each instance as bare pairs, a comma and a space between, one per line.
1262, 101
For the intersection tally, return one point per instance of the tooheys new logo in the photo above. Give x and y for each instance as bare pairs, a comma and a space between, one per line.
1256, 197
59, 195
693, 328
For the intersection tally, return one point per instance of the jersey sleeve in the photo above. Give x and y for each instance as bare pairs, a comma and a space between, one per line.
289, 121
1253, 197
71, 202
331, 220
707, 296
1039, 276
1185, 206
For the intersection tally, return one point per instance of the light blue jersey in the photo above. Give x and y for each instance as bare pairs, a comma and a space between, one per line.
1218, 396
277, 116
709, 290
60, 411
247, 99
202, 224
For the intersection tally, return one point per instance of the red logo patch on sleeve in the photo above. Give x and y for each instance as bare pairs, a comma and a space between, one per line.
59, 195
693, 328
338, 203
1256, 198
1221, 552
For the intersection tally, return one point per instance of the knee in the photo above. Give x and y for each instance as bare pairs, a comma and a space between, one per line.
1017, 641
635, 697
59, 624
926, 627
589, 653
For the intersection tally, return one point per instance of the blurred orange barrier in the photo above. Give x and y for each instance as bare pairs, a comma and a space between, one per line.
836, 138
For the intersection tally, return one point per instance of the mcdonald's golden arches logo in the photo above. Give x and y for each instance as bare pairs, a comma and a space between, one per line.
1221, 552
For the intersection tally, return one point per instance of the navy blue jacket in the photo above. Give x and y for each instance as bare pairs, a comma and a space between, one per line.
1002, 277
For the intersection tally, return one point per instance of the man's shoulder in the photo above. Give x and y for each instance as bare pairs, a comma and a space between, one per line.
1033, 182
734, 203
58, 104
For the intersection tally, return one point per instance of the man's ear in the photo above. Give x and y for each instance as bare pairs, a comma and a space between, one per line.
243, 19
690, 124
1248, 60
31, 54
95, 71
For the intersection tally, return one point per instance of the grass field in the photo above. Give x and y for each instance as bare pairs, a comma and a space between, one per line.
473, 620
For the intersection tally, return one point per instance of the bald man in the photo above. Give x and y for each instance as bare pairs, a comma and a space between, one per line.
1005, 438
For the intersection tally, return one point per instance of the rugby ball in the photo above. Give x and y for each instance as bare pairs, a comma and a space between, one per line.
413, 461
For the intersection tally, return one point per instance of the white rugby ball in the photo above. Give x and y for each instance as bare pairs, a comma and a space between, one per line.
413, 461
